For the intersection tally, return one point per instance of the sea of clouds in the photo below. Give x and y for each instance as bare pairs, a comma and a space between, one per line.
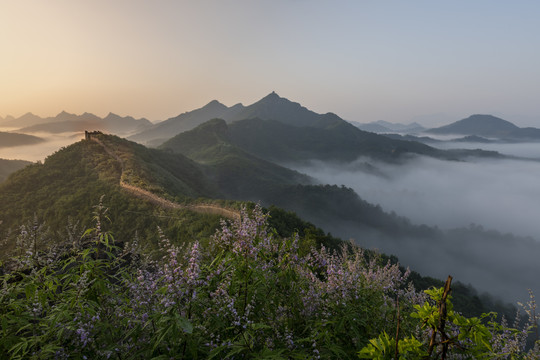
498, 194
38, 152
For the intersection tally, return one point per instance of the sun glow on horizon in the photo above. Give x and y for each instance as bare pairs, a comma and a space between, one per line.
362, 61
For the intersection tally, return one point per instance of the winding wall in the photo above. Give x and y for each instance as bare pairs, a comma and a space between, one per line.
164, 203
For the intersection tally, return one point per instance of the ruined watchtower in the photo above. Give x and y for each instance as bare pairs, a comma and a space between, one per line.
88, 134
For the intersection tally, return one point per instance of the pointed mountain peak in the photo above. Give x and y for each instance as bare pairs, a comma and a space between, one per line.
112, 115
29, 117
63, 114
272, 97
214, 104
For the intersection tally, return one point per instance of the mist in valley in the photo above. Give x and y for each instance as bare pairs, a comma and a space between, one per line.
499, 194
38, 152
484, 212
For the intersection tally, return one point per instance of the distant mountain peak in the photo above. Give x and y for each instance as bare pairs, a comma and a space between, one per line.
272, 97
487, 120
215, 103
237, 106
112, 116
480, 125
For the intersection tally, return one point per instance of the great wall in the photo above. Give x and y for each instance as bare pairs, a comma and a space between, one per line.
155, 199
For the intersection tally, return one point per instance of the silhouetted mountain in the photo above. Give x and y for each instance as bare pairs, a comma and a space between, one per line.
274, 107
488, 126
8, 139
66, 122
271, 107
183, 122
27, 119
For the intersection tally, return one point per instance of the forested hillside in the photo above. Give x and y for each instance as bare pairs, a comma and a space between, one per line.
9, 166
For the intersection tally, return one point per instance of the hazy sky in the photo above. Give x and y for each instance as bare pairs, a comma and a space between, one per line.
364, 60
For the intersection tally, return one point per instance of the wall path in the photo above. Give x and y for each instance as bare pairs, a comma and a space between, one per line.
164, 203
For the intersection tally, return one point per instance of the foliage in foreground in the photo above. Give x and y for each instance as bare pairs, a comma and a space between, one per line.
246, 294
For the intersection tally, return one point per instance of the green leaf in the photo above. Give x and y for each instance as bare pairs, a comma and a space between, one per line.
184, 324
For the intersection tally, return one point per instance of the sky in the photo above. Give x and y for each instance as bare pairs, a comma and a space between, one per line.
400, 61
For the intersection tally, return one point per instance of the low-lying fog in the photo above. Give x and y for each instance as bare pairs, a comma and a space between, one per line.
527, 150
52, 143
502, 195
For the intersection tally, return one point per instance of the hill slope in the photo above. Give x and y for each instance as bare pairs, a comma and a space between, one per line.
236, 172
341, 141
10, 166
341, 211
70, 182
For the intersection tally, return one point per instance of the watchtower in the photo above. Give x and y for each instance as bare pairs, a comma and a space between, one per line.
88, 134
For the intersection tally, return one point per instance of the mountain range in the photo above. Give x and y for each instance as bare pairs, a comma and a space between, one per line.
205, 170
476, 128
277, 129
271, 107
221, 163
66, 122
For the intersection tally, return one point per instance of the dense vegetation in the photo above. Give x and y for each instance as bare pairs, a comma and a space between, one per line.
67, 184
278, 141
244, 293
71, 181
10, 166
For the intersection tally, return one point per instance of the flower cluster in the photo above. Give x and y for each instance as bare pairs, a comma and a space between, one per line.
244, 293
